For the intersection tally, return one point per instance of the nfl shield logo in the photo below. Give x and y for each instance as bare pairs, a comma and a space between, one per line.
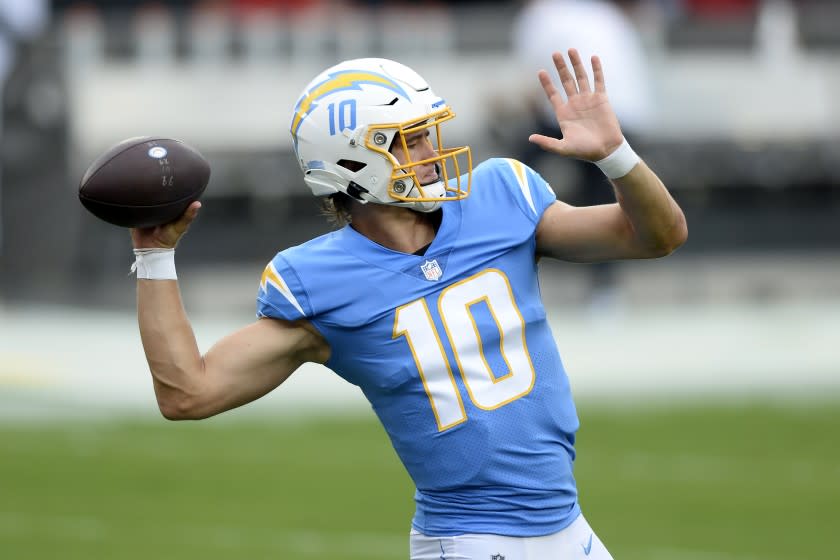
497, 557
431, 270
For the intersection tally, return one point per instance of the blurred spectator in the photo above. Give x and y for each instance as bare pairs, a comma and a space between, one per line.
719, 24
720, 9
267, 5
20, 22
593, 27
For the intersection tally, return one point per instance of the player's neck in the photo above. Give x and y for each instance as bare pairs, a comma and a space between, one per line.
399, 229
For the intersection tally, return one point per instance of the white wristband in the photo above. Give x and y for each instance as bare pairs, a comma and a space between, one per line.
154, 264
620, 162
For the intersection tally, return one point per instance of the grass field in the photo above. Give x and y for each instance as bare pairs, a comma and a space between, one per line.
694, 482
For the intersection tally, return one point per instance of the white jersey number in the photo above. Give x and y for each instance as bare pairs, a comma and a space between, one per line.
486, 390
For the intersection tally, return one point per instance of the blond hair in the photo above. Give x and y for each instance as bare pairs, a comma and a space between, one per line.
336, 208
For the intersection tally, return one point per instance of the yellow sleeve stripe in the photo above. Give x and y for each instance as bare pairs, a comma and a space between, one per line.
522, 179
271, 276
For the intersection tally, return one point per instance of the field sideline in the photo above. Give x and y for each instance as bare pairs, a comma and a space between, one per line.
72, 361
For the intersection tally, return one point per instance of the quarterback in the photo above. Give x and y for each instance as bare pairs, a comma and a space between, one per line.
437, 317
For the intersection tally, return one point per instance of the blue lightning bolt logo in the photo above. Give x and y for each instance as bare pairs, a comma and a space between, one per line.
338, 81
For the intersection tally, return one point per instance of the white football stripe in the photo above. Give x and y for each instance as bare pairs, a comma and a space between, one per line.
273, 277
522, 179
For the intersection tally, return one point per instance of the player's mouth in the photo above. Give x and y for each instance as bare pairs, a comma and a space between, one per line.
428, 178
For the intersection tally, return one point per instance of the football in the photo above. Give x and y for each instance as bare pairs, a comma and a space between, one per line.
144, 181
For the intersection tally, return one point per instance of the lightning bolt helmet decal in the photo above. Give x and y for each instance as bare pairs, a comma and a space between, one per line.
338, 81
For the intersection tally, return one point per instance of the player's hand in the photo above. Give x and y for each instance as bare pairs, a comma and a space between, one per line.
590, 128
167, 235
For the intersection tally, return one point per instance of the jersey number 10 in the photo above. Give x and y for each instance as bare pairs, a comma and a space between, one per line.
485, 389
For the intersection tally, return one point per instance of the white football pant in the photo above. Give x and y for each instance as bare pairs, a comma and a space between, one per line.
575, 542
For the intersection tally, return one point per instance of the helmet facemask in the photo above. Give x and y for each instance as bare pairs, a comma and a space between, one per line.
405, 187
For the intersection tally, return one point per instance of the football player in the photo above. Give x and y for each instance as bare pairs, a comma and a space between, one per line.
437, 317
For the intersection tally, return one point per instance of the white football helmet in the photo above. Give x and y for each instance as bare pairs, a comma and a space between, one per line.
347, 119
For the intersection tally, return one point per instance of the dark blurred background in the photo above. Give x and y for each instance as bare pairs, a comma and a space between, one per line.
740, 120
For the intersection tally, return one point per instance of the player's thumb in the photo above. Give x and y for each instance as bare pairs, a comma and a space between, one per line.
181, 225
168, 235
549, 144
191, 212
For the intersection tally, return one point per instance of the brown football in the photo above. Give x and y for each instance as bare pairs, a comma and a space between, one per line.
144, 181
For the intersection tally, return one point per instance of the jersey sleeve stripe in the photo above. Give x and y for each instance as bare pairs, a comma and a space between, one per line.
522, 178
271, 276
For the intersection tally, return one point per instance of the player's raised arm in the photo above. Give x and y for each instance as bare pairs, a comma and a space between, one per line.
646, 221
238, 369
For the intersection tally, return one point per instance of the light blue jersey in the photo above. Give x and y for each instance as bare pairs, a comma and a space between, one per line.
454, 353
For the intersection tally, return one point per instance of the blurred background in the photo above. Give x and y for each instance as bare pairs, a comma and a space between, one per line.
707, 381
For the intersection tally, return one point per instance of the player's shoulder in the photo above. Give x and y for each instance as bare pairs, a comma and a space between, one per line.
501, 178
506, 173
313, 259
314, 252
291, 277
500, 168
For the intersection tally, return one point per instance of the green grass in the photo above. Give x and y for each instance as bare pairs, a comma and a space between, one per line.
693, 483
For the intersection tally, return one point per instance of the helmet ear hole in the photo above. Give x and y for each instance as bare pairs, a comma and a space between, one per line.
352, 165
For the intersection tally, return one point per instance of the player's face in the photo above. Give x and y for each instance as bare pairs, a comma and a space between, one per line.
419, 148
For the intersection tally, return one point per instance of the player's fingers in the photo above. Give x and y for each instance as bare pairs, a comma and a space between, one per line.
580, 71
598, 72
566, 78
548, 143
548, 87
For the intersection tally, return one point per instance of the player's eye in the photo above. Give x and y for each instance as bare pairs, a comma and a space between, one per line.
413, 141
